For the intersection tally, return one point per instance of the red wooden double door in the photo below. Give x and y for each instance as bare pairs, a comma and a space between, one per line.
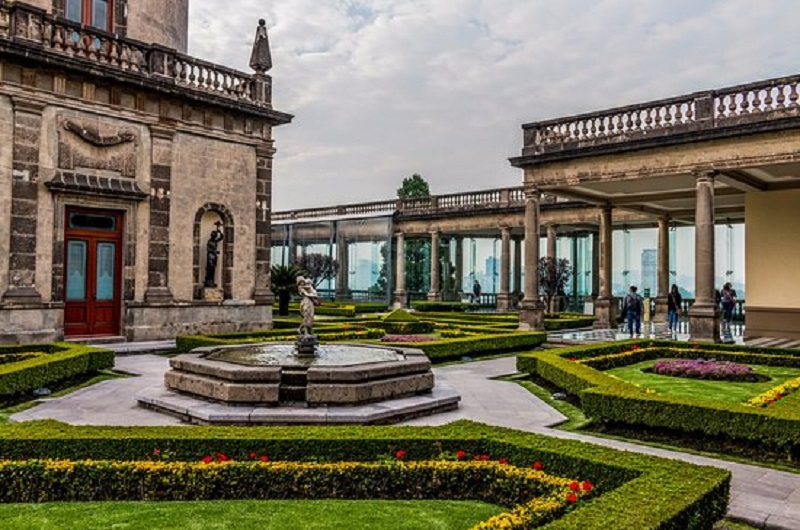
92, 272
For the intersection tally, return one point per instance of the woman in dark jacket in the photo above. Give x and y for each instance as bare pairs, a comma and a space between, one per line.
674, 301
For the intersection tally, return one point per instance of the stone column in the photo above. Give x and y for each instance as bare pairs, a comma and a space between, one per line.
704, 314
605, 310
262, 290
24, 203
435, 292
531, 315
663, 271
459, 286
343, 272
504, 296
158, 290
552, 240
400, 271
517, 289
595, 265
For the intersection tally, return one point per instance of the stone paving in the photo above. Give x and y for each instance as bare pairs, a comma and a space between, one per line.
760, 496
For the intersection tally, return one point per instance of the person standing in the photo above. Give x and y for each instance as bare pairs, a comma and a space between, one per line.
674, 305
728, 297
632, 307
476, 292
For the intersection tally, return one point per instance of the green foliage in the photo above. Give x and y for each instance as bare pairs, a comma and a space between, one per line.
480, 346
400, 315
414, 187
608, 398
319, 267
54, 363
667, 494
402, 322
554, 274
283, 281
453, 307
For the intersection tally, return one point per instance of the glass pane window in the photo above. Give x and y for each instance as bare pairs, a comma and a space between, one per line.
76, 270
73, 10
105, 271
100, 14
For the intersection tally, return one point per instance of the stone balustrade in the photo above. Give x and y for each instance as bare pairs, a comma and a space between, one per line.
701, 111
29, 26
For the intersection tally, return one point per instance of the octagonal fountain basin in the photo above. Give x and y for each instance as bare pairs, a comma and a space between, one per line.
270, 374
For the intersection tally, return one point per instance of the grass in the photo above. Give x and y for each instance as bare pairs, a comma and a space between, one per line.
728, 391
223, 515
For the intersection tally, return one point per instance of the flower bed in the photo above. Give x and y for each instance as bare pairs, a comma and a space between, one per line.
610, 399
674, 495
705, 369
774, 394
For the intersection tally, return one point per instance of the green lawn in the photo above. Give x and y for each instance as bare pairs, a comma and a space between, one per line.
732, 392
224, 515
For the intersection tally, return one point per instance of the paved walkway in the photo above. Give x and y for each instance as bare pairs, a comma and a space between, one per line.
760, 496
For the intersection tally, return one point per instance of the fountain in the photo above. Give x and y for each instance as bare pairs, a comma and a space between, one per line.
303, 382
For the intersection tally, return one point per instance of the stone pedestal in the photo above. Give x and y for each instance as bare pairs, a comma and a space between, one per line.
306, 346
399, 299
22, 296
504, 302
605, 312
704, 323
213, 294
158, 295
531, 315
662, 310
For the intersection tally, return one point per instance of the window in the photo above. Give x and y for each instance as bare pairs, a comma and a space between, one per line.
95, 13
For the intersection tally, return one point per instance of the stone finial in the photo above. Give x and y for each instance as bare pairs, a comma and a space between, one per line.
260, 58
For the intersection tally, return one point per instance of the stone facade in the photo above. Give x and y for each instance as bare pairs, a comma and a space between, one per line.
116, 133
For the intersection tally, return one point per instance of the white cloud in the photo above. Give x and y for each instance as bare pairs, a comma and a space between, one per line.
385, 88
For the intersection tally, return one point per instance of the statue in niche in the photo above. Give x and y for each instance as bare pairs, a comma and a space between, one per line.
305, 288
260, 58
212, 255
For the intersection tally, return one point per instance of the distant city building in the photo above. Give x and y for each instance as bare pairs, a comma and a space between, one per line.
649, 271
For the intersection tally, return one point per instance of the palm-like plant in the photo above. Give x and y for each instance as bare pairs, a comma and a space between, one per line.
284, 284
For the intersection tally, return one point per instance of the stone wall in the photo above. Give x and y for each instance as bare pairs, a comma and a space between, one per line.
6, 139
28, 325
155, 322
208, 171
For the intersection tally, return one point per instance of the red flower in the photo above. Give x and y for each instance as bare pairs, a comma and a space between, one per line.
572, 498
537, 466
481, 457
222, 457
503, 461
264, 458
400, 454
574, 486
586, 486
208, 459
461, 455
778, 396
252, 455
156, 451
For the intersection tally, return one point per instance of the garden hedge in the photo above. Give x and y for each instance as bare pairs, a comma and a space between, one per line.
447, 307
52, 363
634, 492
480, 345
340, 332
606, 398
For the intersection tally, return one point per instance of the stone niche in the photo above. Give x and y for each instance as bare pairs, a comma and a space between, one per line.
85, 144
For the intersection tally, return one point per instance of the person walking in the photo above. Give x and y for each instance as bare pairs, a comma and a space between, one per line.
728, 298
674, 305
633, 307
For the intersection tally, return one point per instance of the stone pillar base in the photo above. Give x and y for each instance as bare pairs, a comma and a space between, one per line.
662, 310
434, 297
531, 315
263, 296
605, 313
504, 302
399, 300
704, 323
158, 295
22, 296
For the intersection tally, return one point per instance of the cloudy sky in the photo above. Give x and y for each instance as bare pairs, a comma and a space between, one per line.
382, 89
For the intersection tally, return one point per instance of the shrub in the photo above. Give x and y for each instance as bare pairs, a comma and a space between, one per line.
51, 364
669, 495
449, 307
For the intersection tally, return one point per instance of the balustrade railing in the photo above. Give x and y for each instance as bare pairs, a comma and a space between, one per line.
753, 102
24, 24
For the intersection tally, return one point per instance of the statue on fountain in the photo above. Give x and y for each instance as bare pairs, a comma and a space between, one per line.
306, 341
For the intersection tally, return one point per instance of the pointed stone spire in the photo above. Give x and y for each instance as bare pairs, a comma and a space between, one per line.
260, 58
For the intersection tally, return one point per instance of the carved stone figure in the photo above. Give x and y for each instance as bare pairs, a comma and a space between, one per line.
212, 254
260, 58
309, 299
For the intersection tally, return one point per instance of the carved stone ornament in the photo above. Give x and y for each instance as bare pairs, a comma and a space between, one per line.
94, 145
260, 58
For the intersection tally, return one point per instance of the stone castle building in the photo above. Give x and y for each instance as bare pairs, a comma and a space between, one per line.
119, 155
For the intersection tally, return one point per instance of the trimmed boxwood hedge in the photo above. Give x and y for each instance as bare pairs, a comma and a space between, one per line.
480, 346
666, 494
607, 398
449, 307
59, 361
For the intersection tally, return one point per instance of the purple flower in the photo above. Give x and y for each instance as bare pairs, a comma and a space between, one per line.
703, 369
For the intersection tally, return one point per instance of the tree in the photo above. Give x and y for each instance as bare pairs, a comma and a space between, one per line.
414, 187
553, 277
320, 267
284, 284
